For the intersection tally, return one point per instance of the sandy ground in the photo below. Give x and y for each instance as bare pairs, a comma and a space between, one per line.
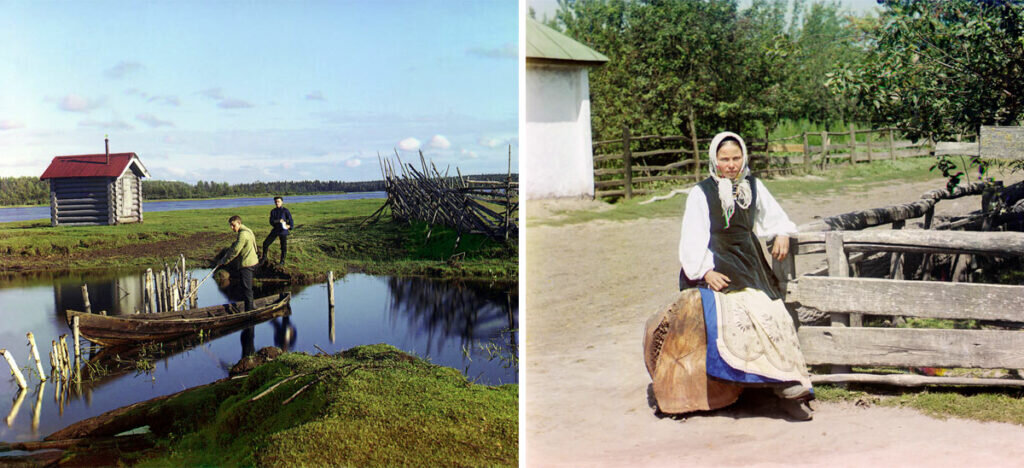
589, 289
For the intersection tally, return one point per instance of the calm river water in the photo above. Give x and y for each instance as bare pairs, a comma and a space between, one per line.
448, 323
8, 215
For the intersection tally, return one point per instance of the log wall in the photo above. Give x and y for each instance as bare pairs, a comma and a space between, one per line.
84, 201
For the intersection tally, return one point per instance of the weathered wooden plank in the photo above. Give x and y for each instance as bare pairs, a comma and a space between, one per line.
609, 183
917, 240
945, 148
638, 180
930, 299
1001, 142
601, 172
989, 349
910, 380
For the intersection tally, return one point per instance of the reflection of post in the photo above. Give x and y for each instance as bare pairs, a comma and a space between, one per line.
14, 368
37, 409
16, 407
330, 322
85, 297
330, 289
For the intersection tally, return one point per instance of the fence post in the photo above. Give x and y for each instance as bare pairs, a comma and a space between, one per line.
824, 149
807, 153
853, 145
838, 266
627, 162
696, 147
892, 146
869, 144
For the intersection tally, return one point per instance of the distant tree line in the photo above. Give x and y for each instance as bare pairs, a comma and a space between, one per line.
32, 191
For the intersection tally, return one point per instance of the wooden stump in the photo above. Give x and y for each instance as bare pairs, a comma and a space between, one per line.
675, 347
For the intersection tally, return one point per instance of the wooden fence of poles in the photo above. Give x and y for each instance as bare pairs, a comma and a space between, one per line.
469, 206
626, 166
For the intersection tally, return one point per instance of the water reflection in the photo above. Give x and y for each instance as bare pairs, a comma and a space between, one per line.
446, 322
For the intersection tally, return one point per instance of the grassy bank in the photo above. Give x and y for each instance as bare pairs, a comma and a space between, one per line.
368, 406
327, 236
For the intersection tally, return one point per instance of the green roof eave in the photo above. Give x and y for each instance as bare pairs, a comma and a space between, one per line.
544, 44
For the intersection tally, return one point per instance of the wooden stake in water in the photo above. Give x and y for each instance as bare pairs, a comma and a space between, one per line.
77, 336
35, 354
150, 291
330, 288
85, 297
14, 368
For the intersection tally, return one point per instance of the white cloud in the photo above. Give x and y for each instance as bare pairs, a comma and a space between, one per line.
315, 96
409, 144
111, 125
233, 104
11, 124
76, 103
153, 121
354, 163
506, 50
122, 69
468, 153
489, 142
439, 142
287, 165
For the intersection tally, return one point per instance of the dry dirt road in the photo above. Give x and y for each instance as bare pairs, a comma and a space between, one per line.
589, 289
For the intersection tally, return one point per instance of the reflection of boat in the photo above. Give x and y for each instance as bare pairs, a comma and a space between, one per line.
140, 328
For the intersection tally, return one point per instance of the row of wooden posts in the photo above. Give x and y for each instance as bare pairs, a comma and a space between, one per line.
466, 205
63, 371
616, 174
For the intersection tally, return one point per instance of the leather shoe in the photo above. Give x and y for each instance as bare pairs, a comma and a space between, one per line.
799, 410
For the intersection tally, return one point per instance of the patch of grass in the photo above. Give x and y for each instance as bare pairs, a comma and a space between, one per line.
964, 403
368, 406
327, 236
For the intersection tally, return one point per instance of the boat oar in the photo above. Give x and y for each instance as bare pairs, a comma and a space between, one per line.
194, 291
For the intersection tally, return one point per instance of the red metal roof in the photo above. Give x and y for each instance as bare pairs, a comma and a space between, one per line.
88, 165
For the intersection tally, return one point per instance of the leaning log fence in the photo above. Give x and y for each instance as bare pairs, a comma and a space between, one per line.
857, 314
634, 164
469, 206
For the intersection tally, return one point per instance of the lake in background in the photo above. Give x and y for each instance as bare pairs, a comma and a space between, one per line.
447, 322
8, 215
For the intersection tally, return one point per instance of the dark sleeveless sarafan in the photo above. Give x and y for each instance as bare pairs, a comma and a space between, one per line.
737, 252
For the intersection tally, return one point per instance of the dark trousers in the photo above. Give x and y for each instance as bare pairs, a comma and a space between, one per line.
274, 235
246, 274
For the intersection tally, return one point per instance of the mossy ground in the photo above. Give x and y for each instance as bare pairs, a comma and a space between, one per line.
327, 237
368, 406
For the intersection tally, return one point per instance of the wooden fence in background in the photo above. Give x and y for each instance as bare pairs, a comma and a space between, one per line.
468, 206
845, 298
624, 172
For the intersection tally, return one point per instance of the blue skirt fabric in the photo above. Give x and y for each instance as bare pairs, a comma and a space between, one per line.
716, 366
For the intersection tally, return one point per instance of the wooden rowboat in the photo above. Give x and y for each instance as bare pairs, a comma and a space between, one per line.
121, 330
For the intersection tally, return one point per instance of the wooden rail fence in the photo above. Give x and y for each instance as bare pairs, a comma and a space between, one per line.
624, 172
846, 298
468, 206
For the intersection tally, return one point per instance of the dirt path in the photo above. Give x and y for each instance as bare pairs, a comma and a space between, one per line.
589, 289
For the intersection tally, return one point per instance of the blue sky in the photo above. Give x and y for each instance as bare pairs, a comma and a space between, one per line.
260, 90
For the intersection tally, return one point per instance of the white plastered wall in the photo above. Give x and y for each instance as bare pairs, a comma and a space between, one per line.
559, 159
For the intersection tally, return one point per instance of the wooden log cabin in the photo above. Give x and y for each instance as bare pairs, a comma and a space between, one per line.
95, 189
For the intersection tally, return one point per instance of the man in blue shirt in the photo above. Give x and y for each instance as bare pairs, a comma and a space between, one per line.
281, 223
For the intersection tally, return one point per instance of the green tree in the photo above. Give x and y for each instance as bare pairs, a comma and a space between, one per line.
941, 68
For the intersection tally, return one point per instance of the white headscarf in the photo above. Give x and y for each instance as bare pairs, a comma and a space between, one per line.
725, 189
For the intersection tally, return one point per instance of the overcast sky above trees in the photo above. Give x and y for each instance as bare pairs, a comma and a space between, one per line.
245, 91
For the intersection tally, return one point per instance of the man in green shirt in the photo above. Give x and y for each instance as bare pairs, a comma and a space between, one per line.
245, 247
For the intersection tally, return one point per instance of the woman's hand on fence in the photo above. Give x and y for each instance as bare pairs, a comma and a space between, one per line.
780, 249
716, 280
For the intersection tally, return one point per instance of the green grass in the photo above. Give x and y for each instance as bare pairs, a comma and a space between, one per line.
964, 403
369, 406
327, 236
